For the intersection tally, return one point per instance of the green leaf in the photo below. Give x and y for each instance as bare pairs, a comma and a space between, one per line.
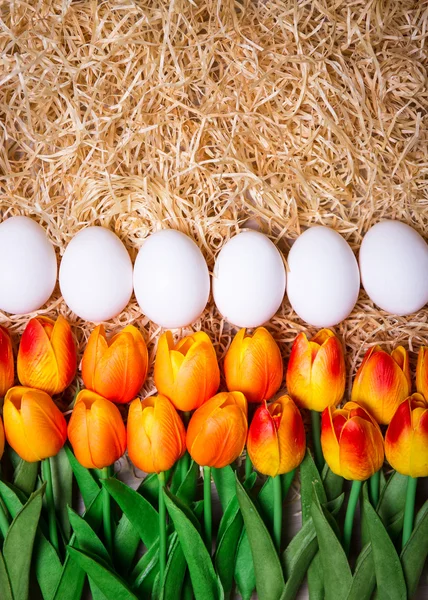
62, 480
269, 578
175, 572
139, 511
333, 484
204, 579
389, 574
86, 538
88, 487
364, 580
244, 567
25, 476
149, 488
5, 587
177, 475
297, 557
107, 582
96, 593
18, 545
187, 490
224, 480
337, 574
391, 504
126, 542
415, 552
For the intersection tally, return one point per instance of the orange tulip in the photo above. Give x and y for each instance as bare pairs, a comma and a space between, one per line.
96, 431
253, 365
217, 430
186, 372
7, 371
316, 373
116, 368
34, 425
422, 372
351, 441
47, 355
276, 438
1, 438
382, 382
156, 434
406, 440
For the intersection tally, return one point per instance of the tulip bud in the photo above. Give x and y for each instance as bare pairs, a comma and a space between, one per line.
187, 372
276, 439
7, 372
156, 434
351, 441
47, 355
117, 368
34, 425
96, 431
422, 372
1, 438
217, 430
382, 382
253, 365
406, 440
316, 373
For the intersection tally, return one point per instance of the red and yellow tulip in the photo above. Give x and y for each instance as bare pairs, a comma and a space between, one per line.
316, 373
96, 431
253, 365
352, 442
117, 368
34, 425
1, 437
276, 439
47, 355
156, 434
422, 372
382, 382
186, 372
406, 440
7, 371
217, 430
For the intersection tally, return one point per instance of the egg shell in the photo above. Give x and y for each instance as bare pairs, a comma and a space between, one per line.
249, 279
95, 275
171, 279
28, 268
394, 267
323, 277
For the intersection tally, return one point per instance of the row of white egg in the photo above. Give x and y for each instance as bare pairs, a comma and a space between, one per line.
171, 281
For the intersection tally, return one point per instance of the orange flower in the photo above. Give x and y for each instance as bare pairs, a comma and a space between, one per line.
117, 368
47, 355
156, 434
33, 424
422, 371
351, 441
406, 440
316, 373
7, 371
96, 431
382, 382
1, 438
253, 365
217, 430
187, 373
276, 438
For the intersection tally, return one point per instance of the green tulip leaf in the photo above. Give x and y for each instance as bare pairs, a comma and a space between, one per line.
415, 552
244, 567
25, 476
389, 573
187, 490
4, 581
364, 579
87, 539
266, 495
96, 593
297, 557
391, 504
268, 572
149, 488
88, 486
333, 484
107, 581
178, 475
224, 480
62, 480
18, 545
206, 584
175, 571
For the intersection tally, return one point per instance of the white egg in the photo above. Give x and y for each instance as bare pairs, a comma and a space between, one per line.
323, 278
171, 279
28, 268
394, 267
249, 279
95, 275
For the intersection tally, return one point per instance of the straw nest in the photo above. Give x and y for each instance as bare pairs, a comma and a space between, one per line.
209, 116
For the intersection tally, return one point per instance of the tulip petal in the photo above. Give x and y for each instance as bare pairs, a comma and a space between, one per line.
298, 377
64, 349
328, 375
7, 373
1, 438
198, 378
94, 351
291, 436
419, 450
107, 435
398, 439
329, 442
262, 442
36, 365
163, 371
44, 424
361, 449
15, 431
139, 444
422, 371
168, 435
78, 435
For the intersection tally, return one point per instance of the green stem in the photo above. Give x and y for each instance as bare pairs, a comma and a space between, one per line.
4, 521
350, 513
185, 459
105, 472
47, 477
277, 511
374, 488
248, 466
207, 508
409, 508
162, 528
316, 438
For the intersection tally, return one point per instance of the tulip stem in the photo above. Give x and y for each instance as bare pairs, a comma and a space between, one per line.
409, 508
350, 513
50, 502
316, 438
248, 466
277, 511
162, 528
185, 459
374, 488
105, 472
207, 509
